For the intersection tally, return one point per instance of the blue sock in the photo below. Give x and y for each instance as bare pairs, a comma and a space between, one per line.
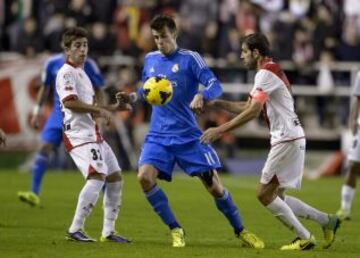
38, 169
226, 205
159, 202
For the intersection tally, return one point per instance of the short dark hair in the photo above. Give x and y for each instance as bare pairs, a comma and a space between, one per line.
72, 34
257, 41
159, 22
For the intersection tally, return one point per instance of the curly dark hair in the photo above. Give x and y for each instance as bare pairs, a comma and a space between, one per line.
72, 34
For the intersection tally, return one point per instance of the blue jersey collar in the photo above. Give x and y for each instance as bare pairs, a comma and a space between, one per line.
172, 54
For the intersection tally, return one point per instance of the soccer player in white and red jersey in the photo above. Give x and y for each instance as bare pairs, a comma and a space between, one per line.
348, 188
283, 169
91, 154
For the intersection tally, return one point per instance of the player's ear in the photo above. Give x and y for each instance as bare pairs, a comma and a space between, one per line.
256, 53
66, 50
174, 34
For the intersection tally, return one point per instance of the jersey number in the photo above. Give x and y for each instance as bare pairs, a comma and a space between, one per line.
96, 154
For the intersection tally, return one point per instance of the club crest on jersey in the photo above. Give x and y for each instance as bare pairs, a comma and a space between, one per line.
68, 80
175, 68
152, 70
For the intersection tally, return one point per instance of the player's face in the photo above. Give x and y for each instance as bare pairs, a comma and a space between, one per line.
165, 40
247, 57
78, 50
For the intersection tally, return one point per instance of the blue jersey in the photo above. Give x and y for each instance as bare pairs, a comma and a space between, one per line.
175, 123
53, 65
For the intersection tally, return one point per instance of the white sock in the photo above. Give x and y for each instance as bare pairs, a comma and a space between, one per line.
283, 212
304, 210
112, 202
87, 200
347, 196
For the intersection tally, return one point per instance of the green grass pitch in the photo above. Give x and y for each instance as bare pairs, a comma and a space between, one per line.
39, 232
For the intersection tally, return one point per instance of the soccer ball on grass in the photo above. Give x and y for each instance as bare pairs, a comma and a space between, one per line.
157, 91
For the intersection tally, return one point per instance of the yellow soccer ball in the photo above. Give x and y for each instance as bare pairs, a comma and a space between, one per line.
157, 91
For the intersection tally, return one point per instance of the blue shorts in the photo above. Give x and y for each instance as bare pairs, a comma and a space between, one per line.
192, 157
52, 131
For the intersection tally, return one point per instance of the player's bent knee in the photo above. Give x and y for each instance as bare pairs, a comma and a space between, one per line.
264, 197
217, 192
281, 193
212, 184
146, 180
96, 176
46, 148
207, 178
114, 177
355, 168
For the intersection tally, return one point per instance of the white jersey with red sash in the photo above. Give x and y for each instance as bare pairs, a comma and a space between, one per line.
271, 83
79, 128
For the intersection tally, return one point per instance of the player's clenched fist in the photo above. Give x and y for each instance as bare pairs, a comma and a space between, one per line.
122, 98
197, 104
126, 98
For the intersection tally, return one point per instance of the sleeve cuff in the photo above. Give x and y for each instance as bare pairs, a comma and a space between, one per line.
205, 95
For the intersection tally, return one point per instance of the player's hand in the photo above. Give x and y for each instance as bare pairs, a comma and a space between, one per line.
211, 135
35, 121
123, 107
127, 107
123, 101
197, 104
2, 137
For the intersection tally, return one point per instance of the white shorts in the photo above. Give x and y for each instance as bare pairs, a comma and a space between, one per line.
95, 157
354, 152
286, 162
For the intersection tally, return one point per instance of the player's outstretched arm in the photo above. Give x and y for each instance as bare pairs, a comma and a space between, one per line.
102, 102
119, 107
229, 106
251, 111
80, 107
2, 137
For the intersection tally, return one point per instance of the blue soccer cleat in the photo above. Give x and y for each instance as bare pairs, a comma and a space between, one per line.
113, 237
79, 236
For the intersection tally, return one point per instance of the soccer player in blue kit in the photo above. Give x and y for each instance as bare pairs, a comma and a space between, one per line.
174, 136
52, 132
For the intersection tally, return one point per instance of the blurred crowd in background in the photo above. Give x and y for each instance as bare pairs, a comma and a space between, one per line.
302, 32
299, 30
